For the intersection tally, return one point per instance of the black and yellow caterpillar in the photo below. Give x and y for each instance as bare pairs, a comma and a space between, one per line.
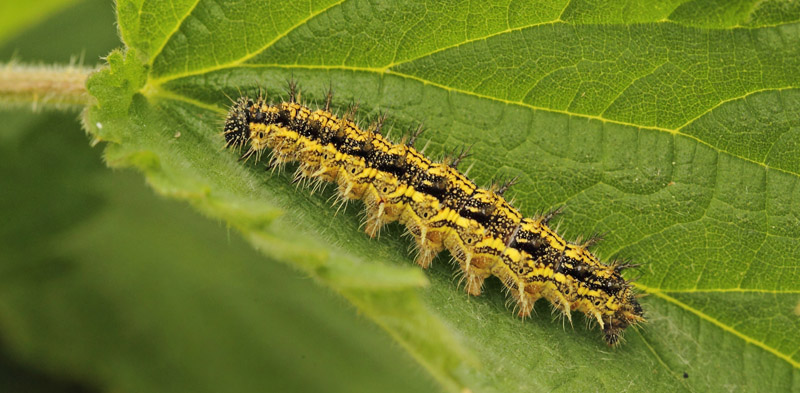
440, 207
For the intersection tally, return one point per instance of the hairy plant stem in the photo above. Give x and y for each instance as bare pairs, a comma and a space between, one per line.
40, 86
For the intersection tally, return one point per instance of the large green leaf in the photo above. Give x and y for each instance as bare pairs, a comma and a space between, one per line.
672, 127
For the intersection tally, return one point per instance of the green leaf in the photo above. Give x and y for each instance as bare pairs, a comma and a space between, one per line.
672, 127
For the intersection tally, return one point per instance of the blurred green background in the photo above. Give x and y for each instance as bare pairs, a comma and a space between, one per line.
104, 285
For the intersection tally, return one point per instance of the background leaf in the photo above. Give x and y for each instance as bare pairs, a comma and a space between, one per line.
15, 16
672, 127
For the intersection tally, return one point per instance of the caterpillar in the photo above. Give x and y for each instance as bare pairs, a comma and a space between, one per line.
440, 207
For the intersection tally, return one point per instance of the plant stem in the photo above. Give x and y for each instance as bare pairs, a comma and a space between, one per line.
57, 87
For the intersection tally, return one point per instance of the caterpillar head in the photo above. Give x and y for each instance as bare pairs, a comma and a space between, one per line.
237, 124
629, 313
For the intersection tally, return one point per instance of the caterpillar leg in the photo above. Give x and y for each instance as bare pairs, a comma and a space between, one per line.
374, 220
474, 284
559, 302
525, 300
417, 217
426, 249
475, 273
384, 204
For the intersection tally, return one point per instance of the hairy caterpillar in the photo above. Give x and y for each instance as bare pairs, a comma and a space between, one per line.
440, 207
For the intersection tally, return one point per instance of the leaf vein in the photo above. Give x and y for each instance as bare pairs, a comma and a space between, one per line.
727, 100
469, 41
240, 61
747, 339
174, 30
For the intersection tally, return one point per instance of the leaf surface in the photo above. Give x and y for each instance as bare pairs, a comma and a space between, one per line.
672, 128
